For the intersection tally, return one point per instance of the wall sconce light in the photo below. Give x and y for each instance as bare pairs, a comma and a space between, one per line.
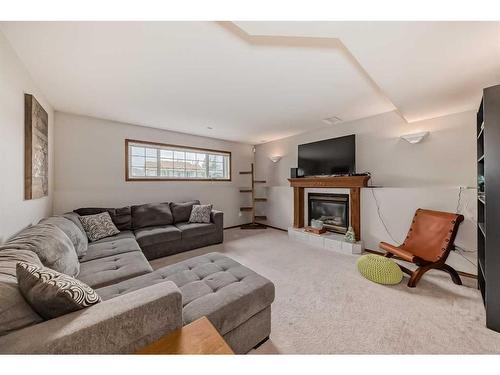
415, 137
275, 159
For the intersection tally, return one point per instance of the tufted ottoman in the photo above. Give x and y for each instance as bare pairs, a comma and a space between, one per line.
234, 298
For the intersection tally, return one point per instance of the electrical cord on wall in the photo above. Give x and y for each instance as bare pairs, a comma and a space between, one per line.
458, 210
460, 251
380, 215
459, 202
459, 199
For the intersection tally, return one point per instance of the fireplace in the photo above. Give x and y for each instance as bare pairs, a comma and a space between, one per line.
353, 183
332, 209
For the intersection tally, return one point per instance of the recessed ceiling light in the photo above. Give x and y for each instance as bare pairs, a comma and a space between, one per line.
332, 120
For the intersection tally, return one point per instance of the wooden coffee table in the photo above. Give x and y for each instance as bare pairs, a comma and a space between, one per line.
198, 337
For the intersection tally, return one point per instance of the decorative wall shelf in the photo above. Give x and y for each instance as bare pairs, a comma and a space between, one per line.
254, 224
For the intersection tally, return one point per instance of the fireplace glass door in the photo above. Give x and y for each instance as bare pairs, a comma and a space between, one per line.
331, 209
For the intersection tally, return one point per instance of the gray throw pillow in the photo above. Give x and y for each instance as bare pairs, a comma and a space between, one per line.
51, 244
182, 211
151, 214
98, 226
52, 294
74, 233
200, 213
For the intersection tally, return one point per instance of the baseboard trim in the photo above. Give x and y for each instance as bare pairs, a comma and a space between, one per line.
236, 226
378, 252
269, 226
461, 273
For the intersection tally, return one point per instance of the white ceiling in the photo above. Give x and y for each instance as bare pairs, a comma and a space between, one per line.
427, 69
257, 81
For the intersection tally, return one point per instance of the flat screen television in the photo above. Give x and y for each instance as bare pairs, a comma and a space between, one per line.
333, 156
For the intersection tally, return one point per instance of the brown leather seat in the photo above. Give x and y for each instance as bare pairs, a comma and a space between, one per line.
427, 244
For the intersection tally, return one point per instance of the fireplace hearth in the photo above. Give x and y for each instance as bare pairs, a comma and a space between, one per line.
332, 209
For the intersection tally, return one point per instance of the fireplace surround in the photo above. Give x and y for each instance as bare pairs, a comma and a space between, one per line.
353, 183
331, 209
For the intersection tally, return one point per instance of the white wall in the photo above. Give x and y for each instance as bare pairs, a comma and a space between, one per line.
426, 175
15, 212
90, 168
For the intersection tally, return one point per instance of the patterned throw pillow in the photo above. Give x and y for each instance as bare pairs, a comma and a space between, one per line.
51, 293
98, 226
200, 213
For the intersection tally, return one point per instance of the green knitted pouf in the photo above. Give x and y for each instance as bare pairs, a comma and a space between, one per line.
380, 269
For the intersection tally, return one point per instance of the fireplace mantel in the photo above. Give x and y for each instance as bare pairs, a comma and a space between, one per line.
353, 183
330, 182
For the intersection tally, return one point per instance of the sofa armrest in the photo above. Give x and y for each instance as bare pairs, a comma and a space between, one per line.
120, 325
217, 217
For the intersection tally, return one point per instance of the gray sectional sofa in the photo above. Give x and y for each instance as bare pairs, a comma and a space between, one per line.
162, 229
139, 305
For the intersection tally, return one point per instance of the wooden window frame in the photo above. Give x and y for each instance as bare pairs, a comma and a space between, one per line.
129, 178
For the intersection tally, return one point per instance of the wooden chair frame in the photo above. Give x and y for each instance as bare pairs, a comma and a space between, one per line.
425, 265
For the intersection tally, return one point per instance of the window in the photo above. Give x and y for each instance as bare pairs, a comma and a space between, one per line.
157, 161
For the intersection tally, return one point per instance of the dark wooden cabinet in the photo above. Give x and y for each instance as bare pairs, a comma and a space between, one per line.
488, 206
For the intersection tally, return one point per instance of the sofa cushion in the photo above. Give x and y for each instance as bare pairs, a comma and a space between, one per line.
212, 285
113, 269
151, 214
121, 216
51, 293
75, 218
98, 226
182, 211
53, 247
77, 237
15, 312
195, 229
120, 236
110, 248
153, 235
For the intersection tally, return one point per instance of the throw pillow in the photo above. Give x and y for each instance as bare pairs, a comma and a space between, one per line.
98, 226
52, 294
200, 213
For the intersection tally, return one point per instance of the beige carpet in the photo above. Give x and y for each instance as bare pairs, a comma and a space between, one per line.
323, 305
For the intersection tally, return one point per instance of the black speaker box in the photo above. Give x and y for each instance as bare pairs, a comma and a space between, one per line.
294, 173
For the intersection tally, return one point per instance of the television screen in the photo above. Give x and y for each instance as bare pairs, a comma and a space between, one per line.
328, 157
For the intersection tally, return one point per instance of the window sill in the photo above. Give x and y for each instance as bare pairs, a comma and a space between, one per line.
127, 179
